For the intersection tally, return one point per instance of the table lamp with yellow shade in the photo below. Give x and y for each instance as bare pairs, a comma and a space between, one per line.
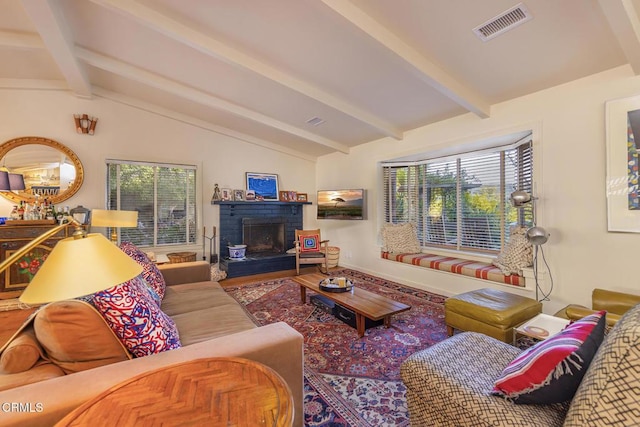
79, 265
114, 219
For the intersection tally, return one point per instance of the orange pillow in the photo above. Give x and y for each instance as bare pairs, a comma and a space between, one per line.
76, 337
22, 353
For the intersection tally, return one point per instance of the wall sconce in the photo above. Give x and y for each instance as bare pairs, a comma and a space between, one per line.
85, 124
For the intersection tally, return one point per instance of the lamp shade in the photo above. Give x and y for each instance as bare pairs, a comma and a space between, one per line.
537, 235
4, 181
520, 198
77, 267
16, 181
113, 218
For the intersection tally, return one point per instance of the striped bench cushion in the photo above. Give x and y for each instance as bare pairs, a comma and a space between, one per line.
477, 269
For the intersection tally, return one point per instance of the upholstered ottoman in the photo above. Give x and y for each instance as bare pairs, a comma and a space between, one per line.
489, 311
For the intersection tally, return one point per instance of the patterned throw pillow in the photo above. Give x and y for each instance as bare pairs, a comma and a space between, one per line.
516, 255
136, 319
150, 271
551, 371
400, 238
310, 243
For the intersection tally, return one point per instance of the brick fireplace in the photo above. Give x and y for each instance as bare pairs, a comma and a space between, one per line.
268, 230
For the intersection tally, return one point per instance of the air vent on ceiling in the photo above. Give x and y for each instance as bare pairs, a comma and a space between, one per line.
504, 22
315, 121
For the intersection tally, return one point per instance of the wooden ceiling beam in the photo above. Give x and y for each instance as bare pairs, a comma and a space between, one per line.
425, 69
159, 82
222, 51
625, 25
18, 40
46, 15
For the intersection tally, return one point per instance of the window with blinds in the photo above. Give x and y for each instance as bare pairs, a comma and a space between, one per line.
461, 202
164, 196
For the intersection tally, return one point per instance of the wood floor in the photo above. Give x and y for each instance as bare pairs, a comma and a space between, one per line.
266, 276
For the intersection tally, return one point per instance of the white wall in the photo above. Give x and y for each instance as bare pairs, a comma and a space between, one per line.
124, 132
569, 122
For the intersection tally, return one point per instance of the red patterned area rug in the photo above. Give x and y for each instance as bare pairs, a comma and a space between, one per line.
351, 381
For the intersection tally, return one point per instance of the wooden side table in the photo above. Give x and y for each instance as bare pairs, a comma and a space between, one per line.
223, 391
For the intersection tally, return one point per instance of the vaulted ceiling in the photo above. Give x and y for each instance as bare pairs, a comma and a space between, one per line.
312, 77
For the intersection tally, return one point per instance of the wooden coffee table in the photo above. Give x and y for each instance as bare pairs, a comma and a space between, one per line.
364, 303
219, 391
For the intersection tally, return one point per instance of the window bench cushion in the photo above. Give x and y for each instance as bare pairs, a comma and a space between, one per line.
477, 269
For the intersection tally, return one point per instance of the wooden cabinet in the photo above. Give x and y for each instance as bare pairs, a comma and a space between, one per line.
13, 237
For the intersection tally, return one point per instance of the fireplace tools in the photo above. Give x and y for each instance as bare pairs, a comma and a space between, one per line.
213, 256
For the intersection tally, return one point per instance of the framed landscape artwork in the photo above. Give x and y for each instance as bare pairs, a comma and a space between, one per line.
341, 204
265, 185
623, 164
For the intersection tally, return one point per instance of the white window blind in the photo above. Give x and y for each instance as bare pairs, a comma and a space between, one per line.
164, 196
461, 202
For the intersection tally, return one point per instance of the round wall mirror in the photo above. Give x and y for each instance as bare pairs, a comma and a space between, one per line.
49, 169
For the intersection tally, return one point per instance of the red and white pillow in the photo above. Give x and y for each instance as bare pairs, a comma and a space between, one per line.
551, 371
133, 315
150, 271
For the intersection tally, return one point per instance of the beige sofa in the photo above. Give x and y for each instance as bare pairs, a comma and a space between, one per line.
80, 357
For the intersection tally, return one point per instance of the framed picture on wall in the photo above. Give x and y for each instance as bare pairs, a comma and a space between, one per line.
341, 204
623, 164
265, 185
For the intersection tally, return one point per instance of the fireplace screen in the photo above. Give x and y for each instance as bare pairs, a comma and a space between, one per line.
263, 236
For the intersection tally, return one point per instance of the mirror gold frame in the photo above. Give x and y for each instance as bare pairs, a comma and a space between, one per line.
6, 147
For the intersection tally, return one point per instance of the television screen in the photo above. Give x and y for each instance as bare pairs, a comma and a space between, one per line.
341, 204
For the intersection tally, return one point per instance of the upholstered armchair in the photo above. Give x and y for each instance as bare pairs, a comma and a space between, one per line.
614, 303
450, 384
311, 249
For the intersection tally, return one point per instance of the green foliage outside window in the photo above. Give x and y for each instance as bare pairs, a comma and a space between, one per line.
164, 197
461, 203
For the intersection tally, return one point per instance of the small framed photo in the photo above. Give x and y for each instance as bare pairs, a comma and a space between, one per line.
250, 195
264, 184
293, 196
226, 194
302, 197
238, 195
284, 196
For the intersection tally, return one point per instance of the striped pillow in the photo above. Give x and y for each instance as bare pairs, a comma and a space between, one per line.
551, 371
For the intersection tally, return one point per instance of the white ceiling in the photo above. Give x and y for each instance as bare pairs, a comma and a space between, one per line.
260, 69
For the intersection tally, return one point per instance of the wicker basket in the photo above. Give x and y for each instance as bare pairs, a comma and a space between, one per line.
333, 256
177, 257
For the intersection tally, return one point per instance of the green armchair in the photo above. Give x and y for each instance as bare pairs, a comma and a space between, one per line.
615, 303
